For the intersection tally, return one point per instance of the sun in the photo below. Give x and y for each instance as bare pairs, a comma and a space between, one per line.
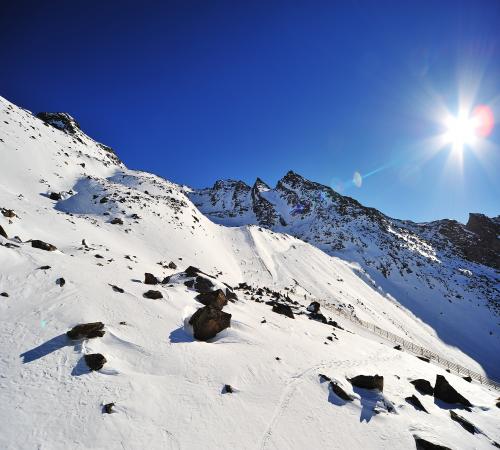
461, 131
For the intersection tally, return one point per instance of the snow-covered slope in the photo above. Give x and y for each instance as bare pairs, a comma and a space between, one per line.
444, 272
110, 226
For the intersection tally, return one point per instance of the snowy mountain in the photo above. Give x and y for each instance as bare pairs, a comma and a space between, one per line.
84, 240
446, 273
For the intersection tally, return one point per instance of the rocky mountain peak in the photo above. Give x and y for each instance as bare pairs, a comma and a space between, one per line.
60, 120
261, 185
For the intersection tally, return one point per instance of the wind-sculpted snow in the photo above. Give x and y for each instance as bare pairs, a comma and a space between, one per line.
111, 225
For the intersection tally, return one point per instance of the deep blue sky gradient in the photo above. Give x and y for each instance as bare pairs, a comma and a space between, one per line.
201, 90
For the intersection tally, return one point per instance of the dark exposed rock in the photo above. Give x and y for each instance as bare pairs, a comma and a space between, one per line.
172, 265
165, 280
116, 221
217, 299
9, 213
108, 408
314, 307
149, 278
103, 200
61, 282
35, 243
154, 295
415, 402
423, 358
192, 271
86, 331
468, 379
4, 294
189, 283
318, 317
95, 361
423, 386
323, 378
397, 347
55, 196
44, 268
340, 392
208, 321
368, 382
445, 392
422, 444
61, 121
463, 422
231, 296
227, 389
3, 233
282, 308
202, 284
117, 289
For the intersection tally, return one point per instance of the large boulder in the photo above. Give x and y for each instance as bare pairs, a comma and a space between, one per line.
202, 284
445, 392
149, 278
86, 331
284, 309
36, 243
95, 361
423, 386
368, 382
217, 299
208, 321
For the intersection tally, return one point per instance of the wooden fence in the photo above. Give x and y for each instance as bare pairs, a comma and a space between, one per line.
411, 347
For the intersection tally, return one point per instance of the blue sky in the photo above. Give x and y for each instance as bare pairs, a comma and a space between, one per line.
201, 90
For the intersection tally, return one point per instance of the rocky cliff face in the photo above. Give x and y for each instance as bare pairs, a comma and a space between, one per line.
458, 262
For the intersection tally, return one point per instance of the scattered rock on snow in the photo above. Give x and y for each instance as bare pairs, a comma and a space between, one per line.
61, 282
227, 389
397, 347
463, 422
55, 196
36, 243
4, 294
423, 386
192, 271
155, 295
217, 299
314, 307
422, 444
116, 221
86, 331
44, 268
149, 278
335, 387
415, 402
202, 284
117, 289
3, 233
445, 392
108, 408
208, 321
282, 308
368, 382
468, 379
172, 265
95, 361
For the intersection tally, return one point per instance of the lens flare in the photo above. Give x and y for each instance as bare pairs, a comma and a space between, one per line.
484, 119
357, 179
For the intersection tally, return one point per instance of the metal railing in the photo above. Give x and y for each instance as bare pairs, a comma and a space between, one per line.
411, 347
